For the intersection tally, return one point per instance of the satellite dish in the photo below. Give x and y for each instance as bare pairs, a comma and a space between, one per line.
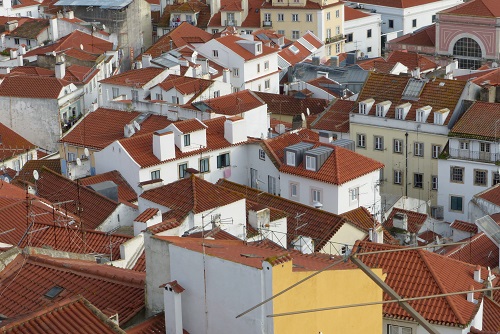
81, 46
137, 126
86, 152
308, 112
78, 161
302, 116
36, 176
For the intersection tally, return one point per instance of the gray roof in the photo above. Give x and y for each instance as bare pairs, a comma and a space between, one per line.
110, 4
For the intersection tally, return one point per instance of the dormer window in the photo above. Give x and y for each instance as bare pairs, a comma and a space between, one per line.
362, 109
423, 113
310, 163
365, 106
402, 110
440, 116
399, 113
187, 140
290, 158
259, 47
382, 108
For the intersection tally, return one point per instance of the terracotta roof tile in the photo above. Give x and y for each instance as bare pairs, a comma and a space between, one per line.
335, 118
33, 70
102, 285
140, 264
414, 273
30, 29
253, 16
398, 3
95, 208
425, 36
8, 172
190, 125
415, 219
279, 104
428, 237
483, 77
26, 173
476, 122
231, 42
484, 8
478, 250
100, 128
491, 315
153, 325
215, 233
439, 94
125, 191
12, 144
146, 215
353, 14
134, 78
233, 104
167, 223
185, 85
27, 86
61, 317
379, 65
491, 195
364, 220
464, 226
412, 60
317, 224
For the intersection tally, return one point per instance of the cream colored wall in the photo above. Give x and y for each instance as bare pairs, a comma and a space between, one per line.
78, 151
392, 161
347, 235
330, 288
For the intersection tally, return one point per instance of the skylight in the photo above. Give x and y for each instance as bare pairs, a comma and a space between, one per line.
294, 49
413, 89
490, 228
54, 292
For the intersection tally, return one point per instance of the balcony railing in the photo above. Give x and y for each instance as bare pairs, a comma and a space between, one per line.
267, 23
233, 23
175, 24
474, 155
334, 39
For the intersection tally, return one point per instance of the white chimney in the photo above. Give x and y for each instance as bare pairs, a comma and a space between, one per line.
259, 217
416, 73
379, 234
173, 307
400, 220
370, 234
22, 49
477, 274
13, 53
303, 244
138, 65
147, 218
225, 75
128, 130
53, 33
60, 69
235, 130
164, 145
146, 60
69, 15
20, 60
470, 295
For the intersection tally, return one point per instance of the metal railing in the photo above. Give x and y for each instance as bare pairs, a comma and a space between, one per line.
474, 155
334, 39
267, 23
233, 23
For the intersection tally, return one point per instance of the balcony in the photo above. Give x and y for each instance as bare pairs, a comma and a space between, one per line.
232, 23
267, 23
456, 153
175, 24
334, 39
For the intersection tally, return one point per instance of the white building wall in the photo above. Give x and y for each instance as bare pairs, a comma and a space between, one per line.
122, 216
369, 194
264, 167
232, 218
358, 28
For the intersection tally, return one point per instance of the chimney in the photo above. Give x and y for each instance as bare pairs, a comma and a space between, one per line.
22, 49
416, 73
315, 61
171, 45
20, 60
400, 220
259, 217
379, 234
60, 70
299, 122
477, 274
146, 60
370, 234
225, 75
69, 15
173, 307
11, 25
470, 295
235, 130
13, 53
351, 58
164, 145
138, 65
334, 61
53, 32
4, 70
128, 130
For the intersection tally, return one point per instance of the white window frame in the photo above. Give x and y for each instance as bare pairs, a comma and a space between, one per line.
434, 182
361, 140
398, 177
294, 190
398, 146
378, 142
418, 149
290, 158
436, 151
316, 195
295, 17
310, 163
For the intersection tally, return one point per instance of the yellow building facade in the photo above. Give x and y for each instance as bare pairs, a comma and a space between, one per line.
330, 288
293, 18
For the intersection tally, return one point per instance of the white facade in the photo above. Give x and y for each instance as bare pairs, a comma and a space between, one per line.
216, 89
369, 46
7, 9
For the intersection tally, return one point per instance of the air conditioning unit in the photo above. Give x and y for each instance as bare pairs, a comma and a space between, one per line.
437, 212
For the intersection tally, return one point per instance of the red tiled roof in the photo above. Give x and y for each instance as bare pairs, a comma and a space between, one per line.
153, 325
8, 172
168, 222
190, 125
415, 219
30, 277
234, 104
140, 264
398, 3
412, 60
125, 191
215, 233
422, 37
365, 221
317, 224
79, 74
476, 122
231, 42
438, 93
415, 273
95, 208
180, 36
491, 316
491, 195
464, 226
62, 317
483, 77
428, 237
12, 144
191, 195
100, 128
26, 173
279, 104
36, 87
146, 215
30, 29
33, 70
379, 65
185, 85
335, 118
479, 250
140, 148
484, 8
134, 78
353, 14
253, 16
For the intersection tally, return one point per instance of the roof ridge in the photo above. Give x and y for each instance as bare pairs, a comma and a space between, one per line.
195, 198
440, 284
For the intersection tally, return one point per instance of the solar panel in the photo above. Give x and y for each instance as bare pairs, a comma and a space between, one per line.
490, 228
413, 89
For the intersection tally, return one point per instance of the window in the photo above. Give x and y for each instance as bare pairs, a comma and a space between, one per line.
223, 160
135, 95
182, 170
315, 196
434, 182
354, 195
216, 93
259, 87
155, 174
204, 165
480, 177
328, 16
418, 149
468, 52
414, 23
159, 97
187, 140
267, 83
393, 329
309, 17
369, 49
281, 32
236, 72
436, 150
310, 163
362, 109
71, 156
456, 203
16, 41
495, 178
418, 180
379, 143
28, 13
295, 34
262, 155
391, 24
295, 17
215, 53
337, 47
116, 93
281, 17
175, 100
398, 177
258, 68
361, 140
464, 145
259, 47
271, 185
349, 38
28, 42
290, 158
214, 31
337, 30
398, 146
294, 190
266, 65
267, 17
369, 33
337, 13
457, 174
433, 18
328, 33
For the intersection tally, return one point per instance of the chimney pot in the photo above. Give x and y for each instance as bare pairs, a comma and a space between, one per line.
477, 274
470, 295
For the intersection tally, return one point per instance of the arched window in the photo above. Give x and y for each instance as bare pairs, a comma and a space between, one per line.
468, 53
